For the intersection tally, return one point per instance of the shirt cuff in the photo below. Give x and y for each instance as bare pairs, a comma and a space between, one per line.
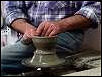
89, 13
12, 17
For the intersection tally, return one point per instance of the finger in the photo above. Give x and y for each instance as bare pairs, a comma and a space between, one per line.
33, 32
26, 39
40, 29
53, 33
29, 35
45, 29
26, 36
50, 29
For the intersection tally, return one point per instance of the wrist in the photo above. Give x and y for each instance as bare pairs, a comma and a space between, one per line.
64, 24
21, 25
74, 22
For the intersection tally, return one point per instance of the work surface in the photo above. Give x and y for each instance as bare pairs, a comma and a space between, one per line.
85, 63
90, 72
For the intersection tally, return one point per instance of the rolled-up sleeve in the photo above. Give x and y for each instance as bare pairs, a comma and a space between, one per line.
12, 10
91, 10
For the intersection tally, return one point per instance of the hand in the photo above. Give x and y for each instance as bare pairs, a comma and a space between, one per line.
22, 26
27, 37
29, 33
49, 28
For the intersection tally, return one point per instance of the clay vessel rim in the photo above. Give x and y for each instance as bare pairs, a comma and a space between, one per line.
44, 37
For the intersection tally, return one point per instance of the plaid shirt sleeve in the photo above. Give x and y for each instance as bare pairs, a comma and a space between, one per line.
91, 10
12, 10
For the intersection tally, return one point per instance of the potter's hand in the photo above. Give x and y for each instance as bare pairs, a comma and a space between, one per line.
50, 28
25, 28
29, 33
27, 37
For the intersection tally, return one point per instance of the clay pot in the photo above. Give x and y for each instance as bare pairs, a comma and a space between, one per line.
45, 54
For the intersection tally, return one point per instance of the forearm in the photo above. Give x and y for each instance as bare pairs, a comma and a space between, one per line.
14, 16
21, 25
75, 22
